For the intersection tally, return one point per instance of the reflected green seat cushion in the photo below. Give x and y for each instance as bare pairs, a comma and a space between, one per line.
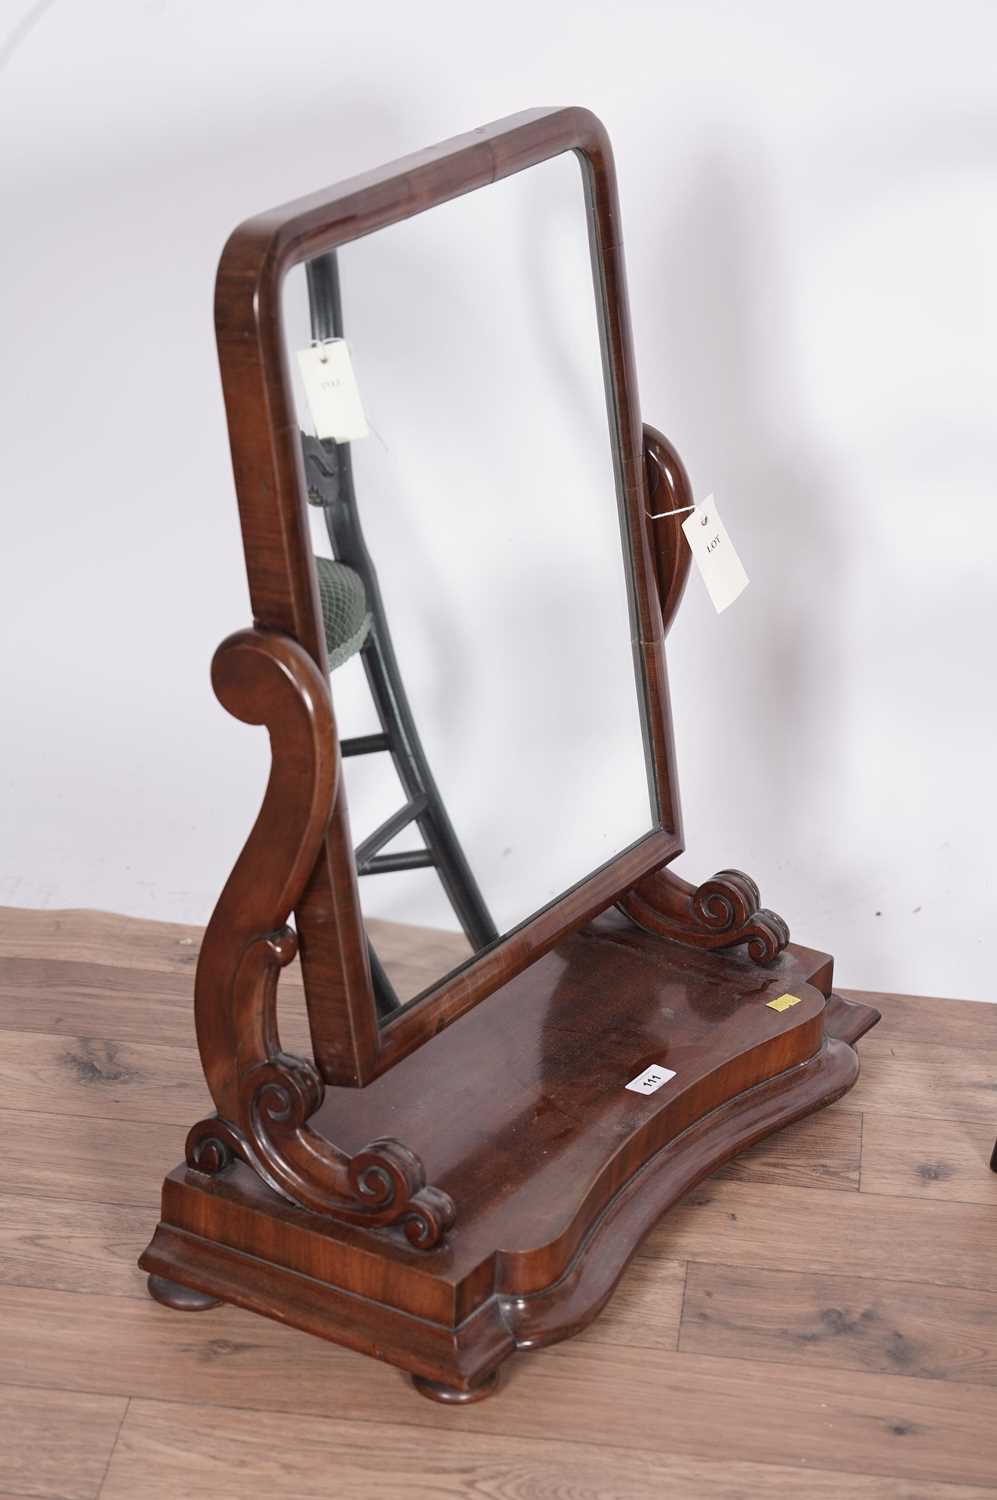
345, 615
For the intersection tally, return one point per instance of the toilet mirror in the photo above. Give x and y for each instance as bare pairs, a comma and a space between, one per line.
473, 562
442, 483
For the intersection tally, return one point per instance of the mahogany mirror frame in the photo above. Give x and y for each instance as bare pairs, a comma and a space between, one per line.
350, 1046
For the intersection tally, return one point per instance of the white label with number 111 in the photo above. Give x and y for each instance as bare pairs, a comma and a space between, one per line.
650, 1080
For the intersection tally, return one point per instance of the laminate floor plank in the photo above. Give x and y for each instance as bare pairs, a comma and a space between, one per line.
925, 1081
923, 1018
79, 1156
645, 1310
99, 937
810, 1229
107, 939
610, 1396
824, 1150
841, 1322
169, 1452
817, 1320
73, 1246
102, 1078
55, 1444
939, 1160
63, 998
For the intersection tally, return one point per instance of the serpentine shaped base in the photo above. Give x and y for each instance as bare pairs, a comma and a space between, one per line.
559, 1169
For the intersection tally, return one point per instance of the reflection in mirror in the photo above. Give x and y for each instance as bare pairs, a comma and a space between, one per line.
471, 568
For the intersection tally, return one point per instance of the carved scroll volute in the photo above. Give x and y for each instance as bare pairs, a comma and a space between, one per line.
263, 677
723, 912
668, 489
264, 1096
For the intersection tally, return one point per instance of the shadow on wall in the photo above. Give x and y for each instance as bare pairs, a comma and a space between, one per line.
722, 329
832, 723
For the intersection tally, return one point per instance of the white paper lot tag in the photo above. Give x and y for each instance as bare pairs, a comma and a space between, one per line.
719, 565
331, 389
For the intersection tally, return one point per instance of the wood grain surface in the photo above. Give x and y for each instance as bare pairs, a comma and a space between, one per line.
818, 1320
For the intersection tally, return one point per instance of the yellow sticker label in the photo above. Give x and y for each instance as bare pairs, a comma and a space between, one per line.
784, 1002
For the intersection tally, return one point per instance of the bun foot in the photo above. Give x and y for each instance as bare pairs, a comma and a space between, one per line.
182, 1298
451, 1395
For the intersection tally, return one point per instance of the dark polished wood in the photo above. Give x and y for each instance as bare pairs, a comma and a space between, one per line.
521, 1115
441, 1206
180, 1298
449, 1395
723, 912
265, 1097
669, 494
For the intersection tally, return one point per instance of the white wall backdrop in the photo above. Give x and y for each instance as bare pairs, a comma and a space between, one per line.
810, 206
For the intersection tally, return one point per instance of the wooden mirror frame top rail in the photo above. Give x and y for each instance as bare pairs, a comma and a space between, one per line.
291, 1200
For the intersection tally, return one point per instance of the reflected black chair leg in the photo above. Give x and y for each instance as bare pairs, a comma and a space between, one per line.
993, 1158
385, 997
395, 716
330, 473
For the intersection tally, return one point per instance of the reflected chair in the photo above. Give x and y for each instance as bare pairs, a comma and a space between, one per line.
354, 620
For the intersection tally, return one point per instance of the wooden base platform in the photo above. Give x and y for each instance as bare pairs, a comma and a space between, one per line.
817, 1321
522, 1115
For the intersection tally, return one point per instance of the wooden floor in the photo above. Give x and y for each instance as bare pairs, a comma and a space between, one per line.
818, 1320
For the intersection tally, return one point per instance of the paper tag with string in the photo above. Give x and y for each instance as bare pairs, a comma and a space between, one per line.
332, 392
713, 552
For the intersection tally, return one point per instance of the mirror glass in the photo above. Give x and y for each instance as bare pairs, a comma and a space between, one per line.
473, 570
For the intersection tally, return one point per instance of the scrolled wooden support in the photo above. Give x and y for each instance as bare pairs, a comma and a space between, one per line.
723, 912
264, 1096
